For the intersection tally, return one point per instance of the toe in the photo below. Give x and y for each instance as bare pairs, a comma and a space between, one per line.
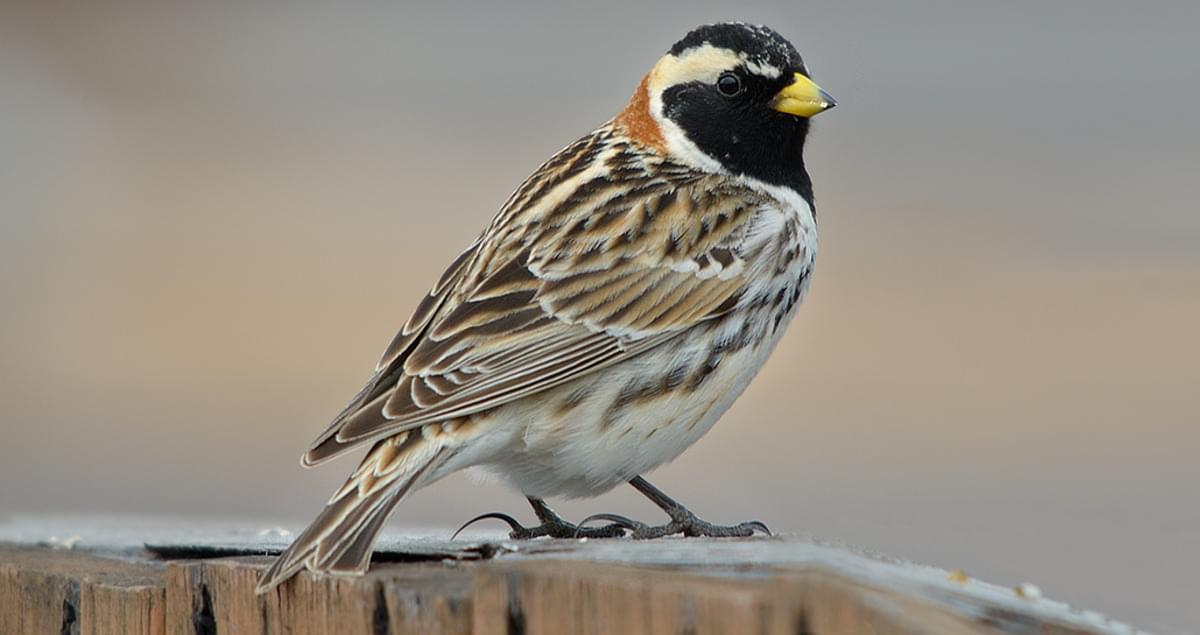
607, 531
618, 521
662, 531
759, 526
509, 520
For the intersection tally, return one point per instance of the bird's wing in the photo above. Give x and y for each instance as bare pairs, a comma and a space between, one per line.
585, 266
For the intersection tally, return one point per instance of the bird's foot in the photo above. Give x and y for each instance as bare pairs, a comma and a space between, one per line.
684, 522
552, 525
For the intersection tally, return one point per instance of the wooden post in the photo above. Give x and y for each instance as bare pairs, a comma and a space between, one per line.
49, 591
697, 586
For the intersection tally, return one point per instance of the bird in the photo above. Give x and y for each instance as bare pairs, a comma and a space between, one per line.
621, 299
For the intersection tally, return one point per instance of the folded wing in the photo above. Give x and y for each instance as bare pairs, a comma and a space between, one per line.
576, 274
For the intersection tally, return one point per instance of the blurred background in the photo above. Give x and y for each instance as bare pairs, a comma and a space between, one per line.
213, 217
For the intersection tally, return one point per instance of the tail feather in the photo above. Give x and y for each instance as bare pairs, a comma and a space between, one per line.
356, 555
340, 539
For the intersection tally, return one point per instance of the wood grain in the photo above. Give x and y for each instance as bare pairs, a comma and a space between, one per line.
780, 586
51, 591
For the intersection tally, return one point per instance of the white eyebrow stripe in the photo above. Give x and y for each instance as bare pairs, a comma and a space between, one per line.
761, 68
704, 63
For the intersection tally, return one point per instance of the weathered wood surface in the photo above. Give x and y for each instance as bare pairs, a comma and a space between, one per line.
776, 585
44, 591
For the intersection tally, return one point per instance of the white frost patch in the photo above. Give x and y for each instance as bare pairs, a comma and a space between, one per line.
63, 543
1028, 591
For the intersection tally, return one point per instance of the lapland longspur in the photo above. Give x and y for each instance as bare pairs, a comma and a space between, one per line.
626, 293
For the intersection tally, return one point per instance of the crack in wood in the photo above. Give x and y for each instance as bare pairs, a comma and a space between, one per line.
516, 616
380, 622
70, 624
70, 610
802, 627
481, 551
202, 616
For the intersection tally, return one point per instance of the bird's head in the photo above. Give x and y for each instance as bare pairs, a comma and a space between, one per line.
729, 97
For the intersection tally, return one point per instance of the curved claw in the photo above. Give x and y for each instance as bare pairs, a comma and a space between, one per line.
616, 519
759, 525
512, 522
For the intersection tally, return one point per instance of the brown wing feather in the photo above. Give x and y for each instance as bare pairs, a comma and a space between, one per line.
576, 273
390, 367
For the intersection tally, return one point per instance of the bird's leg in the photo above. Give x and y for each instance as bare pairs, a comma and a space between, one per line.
683, 521
552, 525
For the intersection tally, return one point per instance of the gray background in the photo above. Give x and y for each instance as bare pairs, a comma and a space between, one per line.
213, 217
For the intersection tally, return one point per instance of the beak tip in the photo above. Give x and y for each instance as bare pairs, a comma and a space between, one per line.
802, 98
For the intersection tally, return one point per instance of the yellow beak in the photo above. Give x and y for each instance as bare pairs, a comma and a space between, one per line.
802, 98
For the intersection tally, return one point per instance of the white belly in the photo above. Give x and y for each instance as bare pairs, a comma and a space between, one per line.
592, 434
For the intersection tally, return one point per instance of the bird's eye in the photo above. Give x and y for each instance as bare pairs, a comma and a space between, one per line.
729, 84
